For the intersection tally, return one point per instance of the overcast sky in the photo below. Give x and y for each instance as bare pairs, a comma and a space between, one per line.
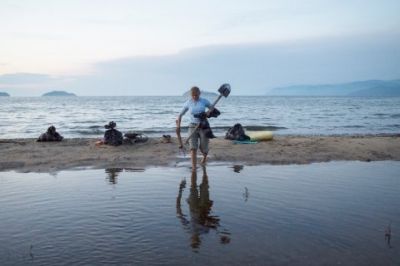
96, 47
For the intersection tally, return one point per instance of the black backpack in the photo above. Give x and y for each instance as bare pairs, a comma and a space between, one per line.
236, 133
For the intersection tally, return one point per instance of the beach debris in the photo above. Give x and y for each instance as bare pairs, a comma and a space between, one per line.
50, 135
135, 137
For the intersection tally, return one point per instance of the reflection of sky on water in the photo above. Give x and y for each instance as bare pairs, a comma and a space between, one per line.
304, 215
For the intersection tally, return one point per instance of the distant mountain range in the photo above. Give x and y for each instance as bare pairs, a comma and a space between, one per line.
376, 88
58, 93
4, 94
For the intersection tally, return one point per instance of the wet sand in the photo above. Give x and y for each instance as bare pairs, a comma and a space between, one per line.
27, 155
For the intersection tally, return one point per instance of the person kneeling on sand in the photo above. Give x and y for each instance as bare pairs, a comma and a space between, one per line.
50, 135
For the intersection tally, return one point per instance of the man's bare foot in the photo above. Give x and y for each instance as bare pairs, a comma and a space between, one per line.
203, 161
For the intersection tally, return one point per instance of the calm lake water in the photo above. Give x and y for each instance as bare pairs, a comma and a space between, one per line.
77, 117
319, 214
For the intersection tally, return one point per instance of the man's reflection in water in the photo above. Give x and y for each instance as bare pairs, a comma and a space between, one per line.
112, 174
201, 221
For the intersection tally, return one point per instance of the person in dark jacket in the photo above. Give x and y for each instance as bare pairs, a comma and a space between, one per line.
50, 135
112, 136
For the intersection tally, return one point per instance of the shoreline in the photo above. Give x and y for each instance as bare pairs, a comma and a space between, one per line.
27, 155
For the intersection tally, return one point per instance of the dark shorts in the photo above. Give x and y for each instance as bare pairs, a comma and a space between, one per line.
194, 140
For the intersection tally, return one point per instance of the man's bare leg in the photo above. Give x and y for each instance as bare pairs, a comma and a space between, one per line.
204, 160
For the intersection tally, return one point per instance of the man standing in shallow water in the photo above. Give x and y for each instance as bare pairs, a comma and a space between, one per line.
195, 105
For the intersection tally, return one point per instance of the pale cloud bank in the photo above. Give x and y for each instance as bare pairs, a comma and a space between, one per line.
61, 37
250, 68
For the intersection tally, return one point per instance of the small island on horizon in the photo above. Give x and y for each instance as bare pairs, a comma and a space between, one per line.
59, 93
4, 94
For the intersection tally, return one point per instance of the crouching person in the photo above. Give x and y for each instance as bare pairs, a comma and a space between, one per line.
112, 136
50, 135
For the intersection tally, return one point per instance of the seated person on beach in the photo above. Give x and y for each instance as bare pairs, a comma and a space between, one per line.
112, 136
50, 135
196, 105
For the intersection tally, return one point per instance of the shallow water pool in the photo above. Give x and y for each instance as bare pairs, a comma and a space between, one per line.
318, 214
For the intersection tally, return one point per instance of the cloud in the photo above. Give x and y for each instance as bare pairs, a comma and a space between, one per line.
30, 84
250, 68
23, 78
28, 36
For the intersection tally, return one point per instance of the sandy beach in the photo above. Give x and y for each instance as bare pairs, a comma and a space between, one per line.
26, 155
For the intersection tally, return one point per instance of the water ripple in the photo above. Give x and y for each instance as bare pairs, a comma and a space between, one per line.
155, 115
